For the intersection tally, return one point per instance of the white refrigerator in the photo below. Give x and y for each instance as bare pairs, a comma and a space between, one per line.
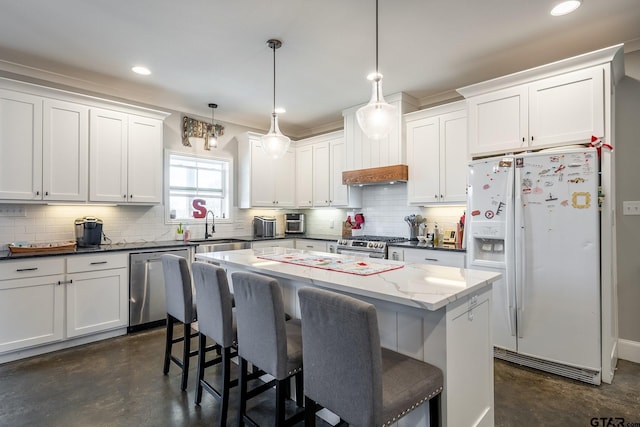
535, 218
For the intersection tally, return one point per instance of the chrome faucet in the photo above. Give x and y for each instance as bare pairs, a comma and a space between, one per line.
206, 226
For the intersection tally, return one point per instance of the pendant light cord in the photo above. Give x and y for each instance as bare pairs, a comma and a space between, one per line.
377, 77
273, 47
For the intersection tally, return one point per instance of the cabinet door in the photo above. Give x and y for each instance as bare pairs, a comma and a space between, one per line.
304, 176
107, 156
20, 146
262, 177
144, 160
467, 383
321, 178
285, 182
498, 121
567, 108
31, 312
338, 193
423, 154
97, 301
65, 151
453, 157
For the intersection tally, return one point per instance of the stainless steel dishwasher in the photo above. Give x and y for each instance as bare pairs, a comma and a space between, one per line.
147, 306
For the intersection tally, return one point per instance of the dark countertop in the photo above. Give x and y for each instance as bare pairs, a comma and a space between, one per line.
414, 244
168, 244
145, 246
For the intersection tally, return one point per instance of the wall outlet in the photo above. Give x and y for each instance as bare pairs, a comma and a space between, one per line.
332, 223
631, 208
13, 211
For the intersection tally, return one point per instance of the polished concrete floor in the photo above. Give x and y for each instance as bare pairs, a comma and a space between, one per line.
119, 382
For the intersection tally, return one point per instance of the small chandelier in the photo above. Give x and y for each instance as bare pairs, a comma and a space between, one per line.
212, 135
377, 117
275, 143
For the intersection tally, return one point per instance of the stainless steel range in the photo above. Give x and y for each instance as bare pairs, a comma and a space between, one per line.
367, 246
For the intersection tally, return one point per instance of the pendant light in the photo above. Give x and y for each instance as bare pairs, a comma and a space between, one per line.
274, 143
212, 137
377, 117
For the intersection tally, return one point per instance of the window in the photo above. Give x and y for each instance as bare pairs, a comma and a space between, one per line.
196, 185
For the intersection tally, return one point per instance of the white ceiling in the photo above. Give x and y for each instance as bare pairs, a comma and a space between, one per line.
215, 51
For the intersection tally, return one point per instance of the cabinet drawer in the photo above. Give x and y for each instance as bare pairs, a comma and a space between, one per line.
311, 245
40, 266
80, 263
435, 257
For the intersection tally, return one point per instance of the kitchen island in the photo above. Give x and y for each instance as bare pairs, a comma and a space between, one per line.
441, 315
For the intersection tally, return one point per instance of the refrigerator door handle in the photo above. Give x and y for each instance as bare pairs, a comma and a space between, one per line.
508, 254
522, 271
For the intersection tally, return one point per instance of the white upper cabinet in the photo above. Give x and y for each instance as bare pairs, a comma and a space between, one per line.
44, 146
144, 160
125, 158
108, 158
567, 108
556, 110
263, 181
65, 142
437, 155
60, 146
328, 155
362, 152
20, 146
304, 176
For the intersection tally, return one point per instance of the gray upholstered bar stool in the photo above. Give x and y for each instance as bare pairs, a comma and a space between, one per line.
268, 342
180, 308
216, 321
347, 372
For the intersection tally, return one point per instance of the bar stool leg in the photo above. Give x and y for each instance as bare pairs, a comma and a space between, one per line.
186, 349
300, 389
309, 412
435, 418
168, 343
242, 408
281, 395
202, 345
226, 379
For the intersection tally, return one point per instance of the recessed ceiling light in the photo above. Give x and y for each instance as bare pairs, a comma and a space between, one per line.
565, 7
143, 71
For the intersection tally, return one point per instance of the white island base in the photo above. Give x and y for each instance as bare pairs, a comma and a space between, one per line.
441, 315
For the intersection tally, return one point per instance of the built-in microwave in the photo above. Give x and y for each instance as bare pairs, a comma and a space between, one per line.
294, 223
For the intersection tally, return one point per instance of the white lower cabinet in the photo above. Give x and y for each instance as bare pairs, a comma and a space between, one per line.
428, 256
97, 293
275, 243
48, 300
31, 303
311, 245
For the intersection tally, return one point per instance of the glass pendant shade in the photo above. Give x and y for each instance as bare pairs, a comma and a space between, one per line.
213, 139
275, 144
376, 119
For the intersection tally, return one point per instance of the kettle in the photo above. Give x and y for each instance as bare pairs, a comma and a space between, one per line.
88, 232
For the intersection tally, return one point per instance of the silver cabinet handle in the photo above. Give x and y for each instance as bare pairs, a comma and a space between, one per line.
432, 259
98, 262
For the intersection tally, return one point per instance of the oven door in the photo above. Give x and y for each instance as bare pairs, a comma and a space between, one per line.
363, 254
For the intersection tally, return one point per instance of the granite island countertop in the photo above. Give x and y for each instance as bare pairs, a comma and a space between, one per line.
418, 285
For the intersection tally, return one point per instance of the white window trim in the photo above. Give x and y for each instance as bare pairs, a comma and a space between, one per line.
167, 216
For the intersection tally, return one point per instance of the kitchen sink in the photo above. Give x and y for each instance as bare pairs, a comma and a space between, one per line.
221, 245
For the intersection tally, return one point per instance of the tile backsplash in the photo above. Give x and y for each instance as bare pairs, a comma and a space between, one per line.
384, 207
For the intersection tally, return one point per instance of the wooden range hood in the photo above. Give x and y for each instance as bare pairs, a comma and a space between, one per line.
381, 175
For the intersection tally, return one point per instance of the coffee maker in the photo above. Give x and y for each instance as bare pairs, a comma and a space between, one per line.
88, 232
